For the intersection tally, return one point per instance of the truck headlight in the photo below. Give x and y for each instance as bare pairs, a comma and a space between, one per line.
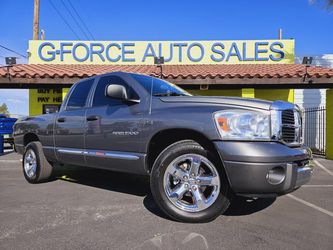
243, 125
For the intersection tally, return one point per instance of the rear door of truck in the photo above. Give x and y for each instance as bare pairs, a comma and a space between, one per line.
70, 125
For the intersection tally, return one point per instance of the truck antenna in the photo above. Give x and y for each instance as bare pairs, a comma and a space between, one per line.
151, 94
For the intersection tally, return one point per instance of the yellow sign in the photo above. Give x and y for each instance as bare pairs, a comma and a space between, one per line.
174, 52
44, 100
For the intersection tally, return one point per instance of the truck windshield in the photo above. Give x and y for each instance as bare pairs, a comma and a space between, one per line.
160, 87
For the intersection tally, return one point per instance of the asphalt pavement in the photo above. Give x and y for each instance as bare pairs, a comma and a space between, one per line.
96, 209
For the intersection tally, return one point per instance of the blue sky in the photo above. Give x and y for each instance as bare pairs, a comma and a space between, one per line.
309, 24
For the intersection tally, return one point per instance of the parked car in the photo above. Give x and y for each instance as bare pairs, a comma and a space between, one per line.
198, 151
6, 129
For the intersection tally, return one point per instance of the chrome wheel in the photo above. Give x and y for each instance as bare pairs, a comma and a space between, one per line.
30, 163
191, 182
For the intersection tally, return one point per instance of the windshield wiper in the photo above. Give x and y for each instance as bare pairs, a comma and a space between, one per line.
169, 94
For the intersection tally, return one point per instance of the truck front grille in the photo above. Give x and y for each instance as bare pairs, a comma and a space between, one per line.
288, 116
288, 135
291, 126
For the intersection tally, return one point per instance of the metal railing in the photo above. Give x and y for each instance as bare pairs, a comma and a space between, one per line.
314, 129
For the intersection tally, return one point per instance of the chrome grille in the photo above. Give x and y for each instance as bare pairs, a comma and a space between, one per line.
288, 134
288, 116
286, 124
290, 126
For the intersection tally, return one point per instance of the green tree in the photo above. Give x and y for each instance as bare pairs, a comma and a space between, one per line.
4, 109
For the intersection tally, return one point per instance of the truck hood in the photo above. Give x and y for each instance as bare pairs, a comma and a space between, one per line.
223, 100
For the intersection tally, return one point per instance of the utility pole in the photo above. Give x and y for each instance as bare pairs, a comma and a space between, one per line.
36, 20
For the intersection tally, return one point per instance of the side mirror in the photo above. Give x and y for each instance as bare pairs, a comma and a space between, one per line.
116, 91
119, 92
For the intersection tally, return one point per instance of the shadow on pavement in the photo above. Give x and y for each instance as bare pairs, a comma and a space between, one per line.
104, 179
113, 181
245, 206
152, 207
139, 186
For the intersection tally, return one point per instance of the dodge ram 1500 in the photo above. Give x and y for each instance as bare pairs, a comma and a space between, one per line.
198, 151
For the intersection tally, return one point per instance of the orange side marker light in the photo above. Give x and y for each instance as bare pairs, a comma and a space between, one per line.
223, 123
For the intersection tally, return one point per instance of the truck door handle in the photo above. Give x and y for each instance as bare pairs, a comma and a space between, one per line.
61, 119
92, 118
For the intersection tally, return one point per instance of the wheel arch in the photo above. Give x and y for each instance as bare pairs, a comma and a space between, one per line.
164, 138
30, 137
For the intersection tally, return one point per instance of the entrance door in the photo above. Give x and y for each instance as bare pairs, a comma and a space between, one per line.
70, 125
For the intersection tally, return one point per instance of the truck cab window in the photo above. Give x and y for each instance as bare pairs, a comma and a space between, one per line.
160, 87
100, 98
79, 96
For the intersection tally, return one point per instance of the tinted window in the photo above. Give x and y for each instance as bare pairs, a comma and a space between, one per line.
100, 97
160, 87
79, 96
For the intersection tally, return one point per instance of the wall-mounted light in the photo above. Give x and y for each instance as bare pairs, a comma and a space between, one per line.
10, 61
159, 61
307, 61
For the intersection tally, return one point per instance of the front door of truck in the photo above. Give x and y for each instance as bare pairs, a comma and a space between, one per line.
70, 125
113, 128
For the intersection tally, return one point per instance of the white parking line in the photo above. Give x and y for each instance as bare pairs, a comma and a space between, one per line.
323, 168
329, 213
317, 186
9, 160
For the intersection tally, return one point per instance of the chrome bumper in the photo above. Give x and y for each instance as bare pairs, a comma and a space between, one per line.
304, 174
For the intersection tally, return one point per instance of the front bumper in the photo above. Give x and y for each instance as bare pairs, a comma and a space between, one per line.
259, 169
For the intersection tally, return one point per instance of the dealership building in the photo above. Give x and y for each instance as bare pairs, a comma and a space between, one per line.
262, 69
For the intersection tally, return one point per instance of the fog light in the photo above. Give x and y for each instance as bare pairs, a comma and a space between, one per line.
276, 175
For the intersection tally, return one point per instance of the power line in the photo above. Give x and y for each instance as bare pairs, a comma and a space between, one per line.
78, 15
322, 59
17, 53
77, 23
62, 17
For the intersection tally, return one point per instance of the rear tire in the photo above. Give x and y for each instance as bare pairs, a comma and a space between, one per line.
36, 168
188, 183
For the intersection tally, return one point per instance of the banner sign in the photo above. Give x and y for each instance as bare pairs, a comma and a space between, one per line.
174, 52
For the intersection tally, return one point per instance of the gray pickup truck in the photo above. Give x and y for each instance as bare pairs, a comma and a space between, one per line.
198, 151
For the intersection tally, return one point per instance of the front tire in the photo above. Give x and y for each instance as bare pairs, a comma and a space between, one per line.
188, 183
36, 168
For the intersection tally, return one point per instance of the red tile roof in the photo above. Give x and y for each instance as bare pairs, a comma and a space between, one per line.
169, 71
